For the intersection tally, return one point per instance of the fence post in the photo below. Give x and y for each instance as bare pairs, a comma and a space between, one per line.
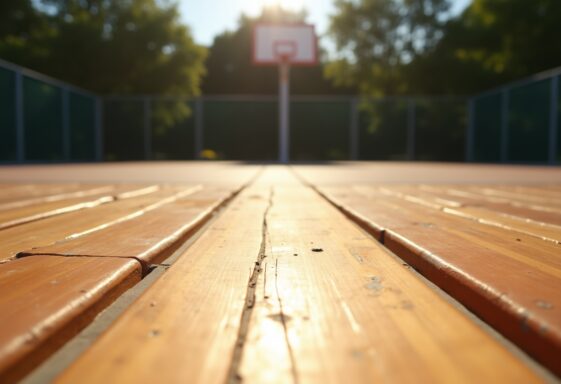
147, 129
98, 129
199, 110
553, 119
65, 124
411, 130
353, 134
504, 125
20, 133
470, 136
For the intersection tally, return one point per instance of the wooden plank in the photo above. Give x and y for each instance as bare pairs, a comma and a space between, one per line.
17, 191
509, 279
150, 237
545, 231
18, 216
47, 300
184, 328
42, 233
456, 197
44, 194
348, 313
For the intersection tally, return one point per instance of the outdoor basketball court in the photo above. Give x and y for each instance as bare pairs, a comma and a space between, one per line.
311, 273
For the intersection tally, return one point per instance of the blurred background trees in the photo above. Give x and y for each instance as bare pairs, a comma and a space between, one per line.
107, 46
416, 46
382, 47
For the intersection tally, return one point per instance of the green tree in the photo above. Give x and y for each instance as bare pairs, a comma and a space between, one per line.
490, 43
107, 46
377, 39
231, 71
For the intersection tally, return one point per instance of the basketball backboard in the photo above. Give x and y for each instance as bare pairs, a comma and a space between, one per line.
295, 44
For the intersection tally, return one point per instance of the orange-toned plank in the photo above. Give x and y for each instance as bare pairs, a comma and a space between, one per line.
47, 300
17, 216
457, 197
43, 194
184, 328
18, 191
149, 237
511, 280
50, 230
348, 313
545, 231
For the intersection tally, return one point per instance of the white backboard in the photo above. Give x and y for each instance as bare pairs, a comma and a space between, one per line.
293, 43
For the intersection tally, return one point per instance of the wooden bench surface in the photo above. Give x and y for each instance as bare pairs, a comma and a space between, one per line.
283, 285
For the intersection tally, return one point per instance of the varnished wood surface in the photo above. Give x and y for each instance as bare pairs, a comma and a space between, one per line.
504, 268
323, 303
348, 312
47, 300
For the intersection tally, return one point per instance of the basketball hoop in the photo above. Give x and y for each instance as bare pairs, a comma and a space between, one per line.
284, 45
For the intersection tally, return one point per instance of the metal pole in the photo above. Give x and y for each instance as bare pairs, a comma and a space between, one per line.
411, 130
98, 129
470, 134
65, 124
199, 128
504, 126
353, 139
284, 113
20, 128
147, 129
553, 119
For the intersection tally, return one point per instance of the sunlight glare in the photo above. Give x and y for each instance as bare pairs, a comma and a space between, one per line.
254, 7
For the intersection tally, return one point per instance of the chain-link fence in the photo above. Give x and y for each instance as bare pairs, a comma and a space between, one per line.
42, 120
517, 123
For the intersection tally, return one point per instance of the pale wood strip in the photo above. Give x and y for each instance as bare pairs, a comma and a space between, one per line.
184, 328
545, 231
57, 193
18, 216
42, 233
150, 237
17, 191
47, 300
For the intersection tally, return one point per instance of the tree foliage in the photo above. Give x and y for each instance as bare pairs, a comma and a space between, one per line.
107, 46
416, 47
377, 39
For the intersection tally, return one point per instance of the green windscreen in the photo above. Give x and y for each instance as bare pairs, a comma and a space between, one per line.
42, 105
319, 130
173, 129
383, 130
7, 116
241, 130
529, 122
82, 127
440, 129
123, 130
487, 128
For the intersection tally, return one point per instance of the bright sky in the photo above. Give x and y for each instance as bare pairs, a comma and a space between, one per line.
208, 18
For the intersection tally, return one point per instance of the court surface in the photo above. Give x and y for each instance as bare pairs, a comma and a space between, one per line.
232, 272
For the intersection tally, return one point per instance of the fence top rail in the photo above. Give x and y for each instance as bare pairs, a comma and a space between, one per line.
272, 98
44, 78
545, 75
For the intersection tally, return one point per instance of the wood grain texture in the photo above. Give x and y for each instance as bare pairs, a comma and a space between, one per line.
510, 279
184, 328
86, 199
347, 311
150, 237
45, 232
343, 310
47, 300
